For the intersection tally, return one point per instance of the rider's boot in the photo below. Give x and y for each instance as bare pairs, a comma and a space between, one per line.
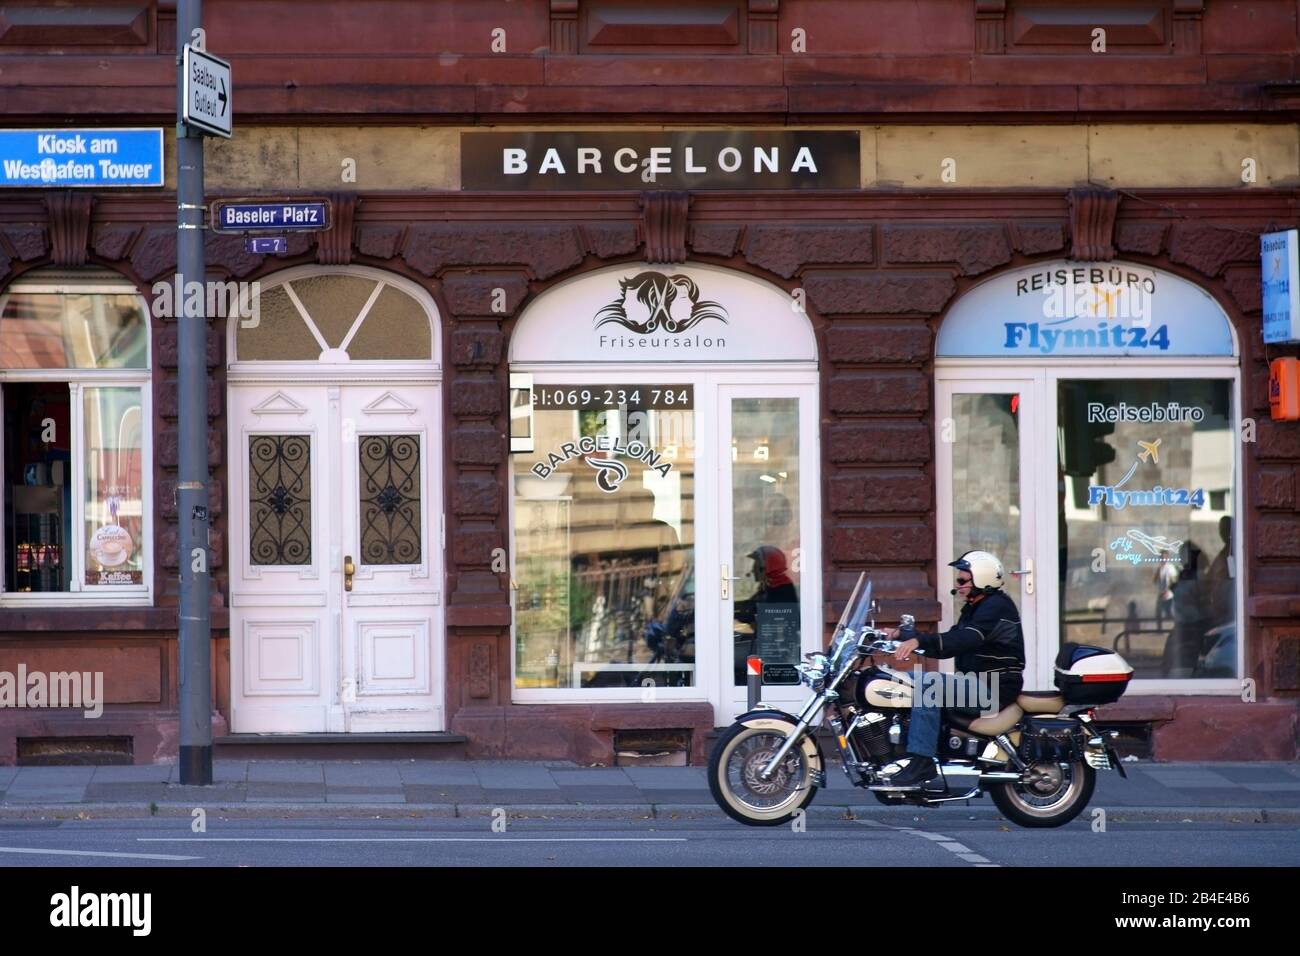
921, 772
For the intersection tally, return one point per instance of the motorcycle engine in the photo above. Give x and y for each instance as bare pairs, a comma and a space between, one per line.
871, 734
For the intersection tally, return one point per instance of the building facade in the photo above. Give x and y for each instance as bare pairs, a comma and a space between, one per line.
639, 331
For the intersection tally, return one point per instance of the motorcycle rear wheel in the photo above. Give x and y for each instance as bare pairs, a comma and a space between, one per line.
1045, 805
742, 794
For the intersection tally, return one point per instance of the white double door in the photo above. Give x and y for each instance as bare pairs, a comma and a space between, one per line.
336, 545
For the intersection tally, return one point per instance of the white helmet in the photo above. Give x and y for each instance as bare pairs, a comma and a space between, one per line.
985, 570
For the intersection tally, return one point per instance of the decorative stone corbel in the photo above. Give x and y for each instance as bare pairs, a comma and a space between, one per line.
991, 26
1188, 15
1092, 223
664, 217
763, 22
564, 27
68, 212
334, 248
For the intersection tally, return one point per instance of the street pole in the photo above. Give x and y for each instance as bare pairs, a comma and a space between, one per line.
195, 639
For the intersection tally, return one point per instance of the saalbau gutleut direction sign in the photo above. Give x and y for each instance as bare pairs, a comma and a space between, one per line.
206, 102
81, 157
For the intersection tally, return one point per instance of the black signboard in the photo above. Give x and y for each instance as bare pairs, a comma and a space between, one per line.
777, 641
598, 397
780, 674
699, 159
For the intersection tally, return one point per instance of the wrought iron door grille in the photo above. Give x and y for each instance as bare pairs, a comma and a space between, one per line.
279, 493
390, 499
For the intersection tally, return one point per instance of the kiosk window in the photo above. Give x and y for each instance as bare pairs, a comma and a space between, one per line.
74, 363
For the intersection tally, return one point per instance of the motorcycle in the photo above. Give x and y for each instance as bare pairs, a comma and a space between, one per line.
1037, 758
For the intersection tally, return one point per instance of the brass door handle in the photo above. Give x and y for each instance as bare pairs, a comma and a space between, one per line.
349, 569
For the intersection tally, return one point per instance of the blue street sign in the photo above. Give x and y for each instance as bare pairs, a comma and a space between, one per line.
272, 216
44, 158
267, 245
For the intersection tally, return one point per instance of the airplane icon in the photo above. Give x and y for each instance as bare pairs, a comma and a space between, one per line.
1150, 450
1156, 544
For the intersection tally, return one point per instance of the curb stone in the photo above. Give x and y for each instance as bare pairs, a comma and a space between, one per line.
829, 813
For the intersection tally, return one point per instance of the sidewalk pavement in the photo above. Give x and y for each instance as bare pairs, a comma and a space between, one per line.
1235, 792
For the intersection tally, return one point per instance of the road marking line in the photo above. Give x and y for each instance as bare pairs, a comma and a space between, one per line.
411, 839
938, 839
132, 856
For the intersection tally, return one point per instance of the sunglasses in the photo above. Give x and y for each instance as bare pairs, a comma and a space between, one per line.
963, 581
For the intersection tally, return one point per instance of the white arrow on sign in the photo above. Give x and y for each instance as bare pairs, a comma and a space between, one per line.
207, 94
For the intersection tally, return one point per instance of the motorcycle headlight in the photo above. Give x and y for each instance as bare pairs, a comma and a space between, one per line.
813, 671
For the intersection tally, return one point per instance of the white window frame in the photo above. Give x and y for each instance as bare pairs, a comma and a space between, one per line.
711, 670
1046, 544
80, 594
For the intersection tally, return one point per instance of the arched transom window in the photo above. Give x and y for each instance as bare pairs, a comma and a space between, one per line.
361, 315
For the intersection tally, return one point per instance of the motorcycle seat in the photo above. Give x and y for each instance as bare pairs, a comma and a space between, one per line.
999, 723
1041, 701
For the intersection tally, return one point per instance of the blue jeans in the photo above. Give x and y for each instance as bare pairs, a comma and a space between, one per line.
923, 730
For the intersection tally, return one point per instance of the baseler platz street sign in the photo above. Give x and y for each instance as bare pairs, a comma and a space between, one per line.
206, 102
271, 215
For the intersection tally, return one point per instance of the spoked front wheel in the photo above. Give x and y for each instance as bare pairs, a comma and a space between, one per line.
1052, 795
737, 784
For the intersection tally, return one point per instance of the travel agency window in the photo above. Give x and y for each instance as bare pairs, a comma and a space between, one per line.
75, 388
1088, 434
664, 486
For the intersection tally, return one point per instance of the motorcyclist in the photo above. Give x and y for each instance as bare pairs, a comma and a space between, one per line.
987, 639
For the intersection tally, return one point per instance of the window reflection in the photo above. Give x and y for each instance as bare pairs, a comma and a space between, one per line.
1146, 474
985, 444
604, 546
114, 493
72, 330
766, 558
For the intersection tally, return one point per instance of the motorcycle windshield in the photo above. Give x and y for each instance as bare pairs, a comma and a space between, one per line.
850, 604
861, 606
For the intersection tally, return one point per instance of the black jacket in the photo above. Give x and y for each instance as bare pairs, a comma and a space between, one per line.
986, 638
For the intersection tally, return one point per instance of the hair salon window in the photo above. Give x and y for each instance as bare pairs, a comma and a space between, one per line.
604, 538
75, 452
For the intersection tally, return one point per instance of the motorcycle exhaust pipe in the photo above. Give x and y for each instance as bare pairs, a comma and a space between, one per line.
999, 777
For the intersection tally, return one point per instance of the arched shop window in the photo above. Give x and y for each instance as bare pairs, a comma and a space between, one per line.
664, 445
74, 382
1088, 419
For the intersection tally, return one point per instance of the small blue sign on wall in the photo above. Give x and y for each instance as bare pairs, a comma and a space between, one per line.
45, 158
1279, 265
266, 245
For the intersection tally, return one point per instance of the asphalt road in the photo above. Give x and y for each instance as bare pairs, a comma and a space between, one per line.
935, 841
